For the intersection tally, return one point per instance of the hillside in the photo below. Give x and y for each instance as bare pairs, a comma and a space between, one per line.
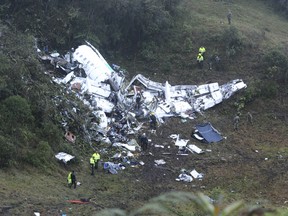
250, 164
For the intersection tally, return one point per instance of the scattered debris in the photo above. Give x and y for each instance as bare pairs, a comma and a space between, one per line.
112, 167
80, 201
188, 176
120, 109
184, 177
159, 162
196, 175
194, 148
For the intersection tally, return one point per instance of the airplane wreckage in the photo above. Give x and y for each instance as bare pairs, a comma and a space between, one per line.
87, 72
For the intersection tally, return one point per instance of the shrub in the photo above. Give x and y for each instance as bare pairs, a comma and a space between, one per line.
16, 112
7, 151
52, 134
276, 66
40, 156
269, 89
233, 41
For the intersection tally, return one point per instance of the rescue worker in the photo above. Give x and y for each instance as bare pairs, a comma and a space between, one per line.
96, 157
250, 118
153, 121
236, 122
92, 165
71, 179
202, 50
143, 142
229, 17
138, 100
200, 60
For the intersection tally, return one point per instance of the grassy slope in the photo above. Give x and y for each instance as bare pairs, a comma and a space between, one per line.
233, 165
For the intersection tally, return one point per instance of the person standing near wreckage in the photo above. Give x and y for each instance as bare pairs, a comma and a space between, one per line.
96, 157
236, 122
71, 179
143, 142
153, 121
229, 17
250, 118
200, 60
92, 165
138, 100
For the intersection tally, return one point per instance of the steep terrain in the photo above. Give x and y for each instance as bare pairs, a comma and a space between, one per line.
250, 164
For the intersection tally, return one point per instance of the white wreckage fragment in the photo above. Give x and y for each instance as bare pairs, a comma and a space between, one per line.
166, 100
189, 176
194, 148
196, 175
159, 162
62, 156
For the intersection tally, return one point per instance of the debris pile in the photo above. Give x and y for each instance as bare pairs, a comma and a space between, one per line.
120, 109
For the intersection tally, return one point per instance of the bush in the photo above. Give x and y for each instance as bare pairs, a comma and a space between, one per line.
269, 89
40, 156
52, 134
233, 41
7, 151
16, 112
276, 66
149, 51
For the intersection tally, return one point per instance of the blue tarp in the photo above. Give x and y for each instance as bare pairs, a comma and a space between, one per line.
209, 133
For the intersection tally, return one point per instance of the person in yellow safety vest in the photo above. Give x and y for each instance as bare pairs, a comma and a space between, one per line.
71, 179
200, 60
96, 157
202, 50
92, 164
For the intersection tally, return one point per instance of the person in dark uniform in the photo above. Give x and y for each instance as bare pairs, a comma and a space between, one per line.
138, 100
153, 121
143, 142
236, 122
229, 17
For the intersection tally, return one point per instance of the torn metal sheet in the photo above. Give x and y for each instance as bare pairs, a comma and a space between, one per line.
175, 100
127, 146
184, 177
208, 133
181, 142
196, 175
159, 162
62, 156
103, 121
194, 148
158, 146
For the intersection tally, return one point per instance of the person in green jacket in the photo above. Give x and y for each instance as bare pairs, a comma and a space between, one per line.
71, 179
202, 50
92, 164
96, 157
200, 60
